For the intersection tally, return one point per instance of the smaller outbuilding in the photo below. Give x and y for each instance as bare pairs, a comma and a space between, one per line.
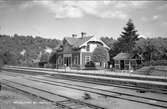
127, 61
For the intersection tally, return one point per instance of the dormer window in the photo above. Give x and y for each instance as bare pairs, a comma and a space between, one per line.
88, 47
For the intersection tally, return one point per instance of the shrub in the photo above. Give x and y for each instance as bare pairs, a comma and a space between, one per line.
1, 63
155, 63
159, 62
90, 65
147, 70
100, 54
8, 58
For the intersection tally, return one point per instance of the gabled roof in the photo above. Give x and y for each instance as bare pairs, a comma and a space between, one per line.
126, 56
77, 42
94, 39
122, 56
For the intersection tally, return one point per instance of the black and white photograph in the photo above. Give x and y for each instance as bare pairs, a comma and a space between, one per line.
83, 54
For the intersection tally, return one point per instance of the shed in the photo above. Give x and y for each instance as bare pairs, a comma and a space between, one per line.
127, 61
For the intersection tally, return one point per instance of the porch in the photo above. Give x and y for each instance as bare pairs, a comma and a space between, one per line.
71, 60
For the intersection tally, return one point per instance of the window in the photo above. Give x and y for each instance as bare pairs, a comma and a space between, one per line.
87, 59
59, 60
76, 60
127, 62
88, 47
116, 61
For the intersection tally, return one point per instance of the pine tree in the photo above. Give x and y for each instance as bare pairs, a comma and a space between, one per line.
128, 38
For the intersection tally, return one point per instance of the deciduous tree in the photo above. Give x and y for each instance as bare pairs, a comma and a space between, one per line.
100, 54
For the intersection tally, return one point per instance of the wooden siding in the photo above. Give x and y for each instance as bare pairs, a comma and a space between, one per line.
84, 54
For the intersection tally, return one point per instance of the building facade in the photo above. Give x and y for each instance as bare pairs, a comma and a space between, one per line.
75, 52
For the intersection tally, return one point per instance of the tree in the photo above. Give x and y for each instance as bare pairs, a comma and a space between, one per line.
44, 57
164, 53
1, 61
128, 38
8, 58
53, 57
100, 54
151, 49
114, 51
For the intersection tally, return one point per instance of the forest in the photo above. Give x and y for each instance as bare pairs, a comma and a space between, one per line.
20, 49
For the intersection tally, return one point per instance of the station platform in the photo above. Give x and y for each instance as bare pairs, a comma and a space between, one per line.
139, 80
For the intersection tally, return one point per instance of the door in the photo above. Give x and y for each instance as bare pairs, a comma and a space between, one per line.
67, 61
122, 64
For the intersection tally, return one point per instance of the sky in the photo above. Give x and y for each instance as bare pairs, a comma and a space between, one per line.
62, 18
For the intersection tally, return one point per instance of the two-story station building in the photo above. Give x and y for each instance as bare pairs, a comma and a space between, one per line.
76, 51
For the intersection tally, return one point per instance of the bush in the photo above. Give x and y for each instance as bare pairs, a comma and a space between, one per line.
100, 54
156, 63
47, 65
90, 65
159, 62
1, 63
147, 70
7, 58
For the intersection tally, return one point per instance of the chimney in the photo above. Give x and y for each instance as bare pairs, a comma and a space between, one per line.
83, 34
74, 35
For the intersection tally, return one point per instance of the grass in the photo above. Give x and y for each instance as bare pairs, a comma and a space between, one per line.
152, 70
10, 99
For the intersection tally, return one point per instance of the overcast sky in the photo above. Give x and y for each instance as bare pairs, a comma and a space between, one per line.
58, 18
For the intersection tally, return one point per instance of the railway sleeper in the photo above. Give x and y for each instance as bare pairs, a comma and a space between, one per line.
63, 106
69, 104
140, 87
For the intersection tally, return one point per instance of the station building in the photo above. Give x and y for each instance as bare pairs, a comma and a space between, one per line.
127, 61
76, 51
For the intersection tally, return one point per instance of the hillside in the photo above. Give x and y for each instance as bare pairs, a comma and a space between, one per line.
24, 49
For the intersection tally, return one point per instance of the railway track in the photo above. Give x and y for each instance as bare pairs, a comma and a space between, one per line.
131, 87
63, 102
83, 86
124, 84
102, 92
108, 83
107, 93
123, 96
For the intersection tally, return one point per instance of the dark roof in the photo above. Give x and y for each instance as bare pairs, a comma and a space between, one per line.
76, 42
123, 56
126, 56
